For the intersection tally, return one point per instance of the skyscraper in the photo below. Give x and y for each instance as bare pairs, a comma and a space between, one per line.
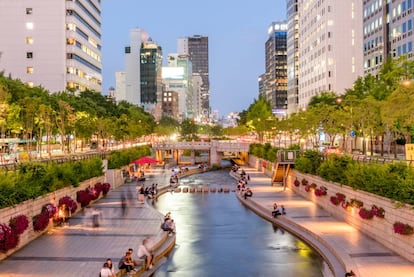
388, 32
275, 83
330, 47
55, 44
197, 49
292, 55
151, 78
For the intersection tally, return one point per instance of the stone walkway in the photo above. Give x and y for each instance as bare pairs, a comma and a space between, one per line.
361, 254
80, 249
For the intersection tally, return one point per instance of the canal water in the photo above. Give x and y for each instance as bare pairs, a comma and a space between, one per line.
217, 236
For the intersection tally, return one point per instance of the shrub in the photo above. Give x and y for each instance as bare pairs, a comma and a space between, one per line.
309, 162
341, 197
334, 168
19, 224
40, 222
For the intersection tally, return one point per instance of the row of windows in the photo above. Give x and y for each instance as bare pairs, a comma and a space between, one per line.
70, 56
375, 24
85, 49
402, 28
73, 27
373, 62
77, 16
370, 9
82, 74
401, 8
83, 8
373, 43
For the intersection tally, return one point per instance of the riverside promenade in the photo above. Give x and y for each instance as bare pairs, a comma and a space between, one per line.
79, 249
358, 252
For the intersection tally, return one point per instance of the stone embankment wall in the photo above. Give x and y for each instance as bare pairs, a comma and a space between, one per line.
33, 207
380, 229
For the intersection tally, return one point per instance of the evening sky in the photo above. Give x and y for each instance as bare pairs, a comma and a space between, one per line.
237, 32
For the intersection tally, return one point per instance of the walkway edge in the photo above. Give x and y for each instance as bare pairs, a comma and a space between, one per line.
331, 257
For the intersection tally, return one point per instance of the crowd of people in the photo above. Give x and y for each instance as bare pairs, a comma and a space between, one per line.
242, 183
168, 225
149, 191
128, 263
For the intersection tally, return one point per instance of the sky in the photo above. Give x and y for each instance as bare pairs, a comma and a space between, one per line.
237, 32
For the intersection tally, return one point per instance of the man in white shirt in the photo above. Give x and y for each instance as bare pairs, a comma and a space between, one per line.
144, 252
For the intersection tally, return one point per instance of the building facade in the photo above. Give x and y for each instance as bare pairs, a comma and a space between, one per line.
275, 83
53, 44
292, 55
151, 78
330, 47
387, 31
170, 104
196, 47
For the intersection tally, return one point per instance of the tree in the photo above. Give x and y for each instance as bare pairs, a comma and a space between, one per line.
258, 116
188, 129
167, 126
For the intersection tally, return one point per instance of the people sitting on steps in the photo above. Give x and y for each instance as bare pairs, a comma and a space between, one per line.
278, 211
248, 193
127, 263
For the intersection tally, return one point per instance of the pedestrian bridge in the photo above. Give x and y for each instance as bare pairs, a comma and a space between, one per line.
215, 148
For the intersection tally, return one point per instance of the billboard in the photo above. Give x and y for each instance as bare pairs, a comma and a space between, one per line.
173, 73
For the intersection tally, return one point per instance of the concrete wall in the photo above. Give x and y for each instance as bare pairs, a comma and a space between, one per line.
33, 207
380, 229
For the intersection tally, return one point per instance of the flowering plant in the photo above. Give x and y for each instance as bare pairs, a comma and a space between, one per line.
49, 210
69, 202
309, 187
378, 211
321, 191
296, 182
105, 188
98, 189
341, 197
40, 222
335, 200
346, 205
19, 224
365, 213
9, 239
403, 229
356, 203
83, 197
304, 182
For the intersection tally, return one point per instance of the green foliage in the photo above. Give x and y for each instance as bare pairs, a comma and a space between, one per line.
334, 168
118, 159
309, 162
35, 179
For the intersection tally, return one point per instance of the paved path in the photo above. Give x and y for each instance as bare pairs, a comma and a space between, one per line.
366, 257
79, 249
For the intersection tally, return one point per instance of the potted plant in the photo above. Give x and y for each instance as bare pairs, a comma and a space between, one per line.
304, 182
19, 224
296, 182
402, 228
378, 211
321, 191
365, 213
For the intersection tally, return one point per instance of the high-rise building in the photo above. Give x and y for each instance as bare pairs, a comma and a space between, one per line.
330, 47
151, 78
53, 44
170, 104
131, 91
197, 49
387, 31
275, 83
292, 55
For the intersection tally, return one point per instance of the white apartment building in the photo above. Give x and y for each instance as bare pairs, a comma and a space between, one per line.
132, 93
388, 32
330, 47
53, 44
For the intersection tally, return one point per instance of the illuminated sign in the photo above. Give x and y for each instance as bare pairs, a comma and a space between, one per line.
173, 73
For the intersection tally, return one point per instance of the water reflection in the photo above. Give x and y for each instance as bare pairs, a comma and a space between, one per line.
217, 236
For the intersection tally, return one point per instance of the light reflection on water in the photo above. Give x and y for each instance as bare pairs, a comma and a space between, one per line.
217, 236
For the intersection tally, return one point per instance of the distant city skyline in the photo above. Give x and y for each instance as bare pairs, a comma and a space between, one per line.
237, 35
